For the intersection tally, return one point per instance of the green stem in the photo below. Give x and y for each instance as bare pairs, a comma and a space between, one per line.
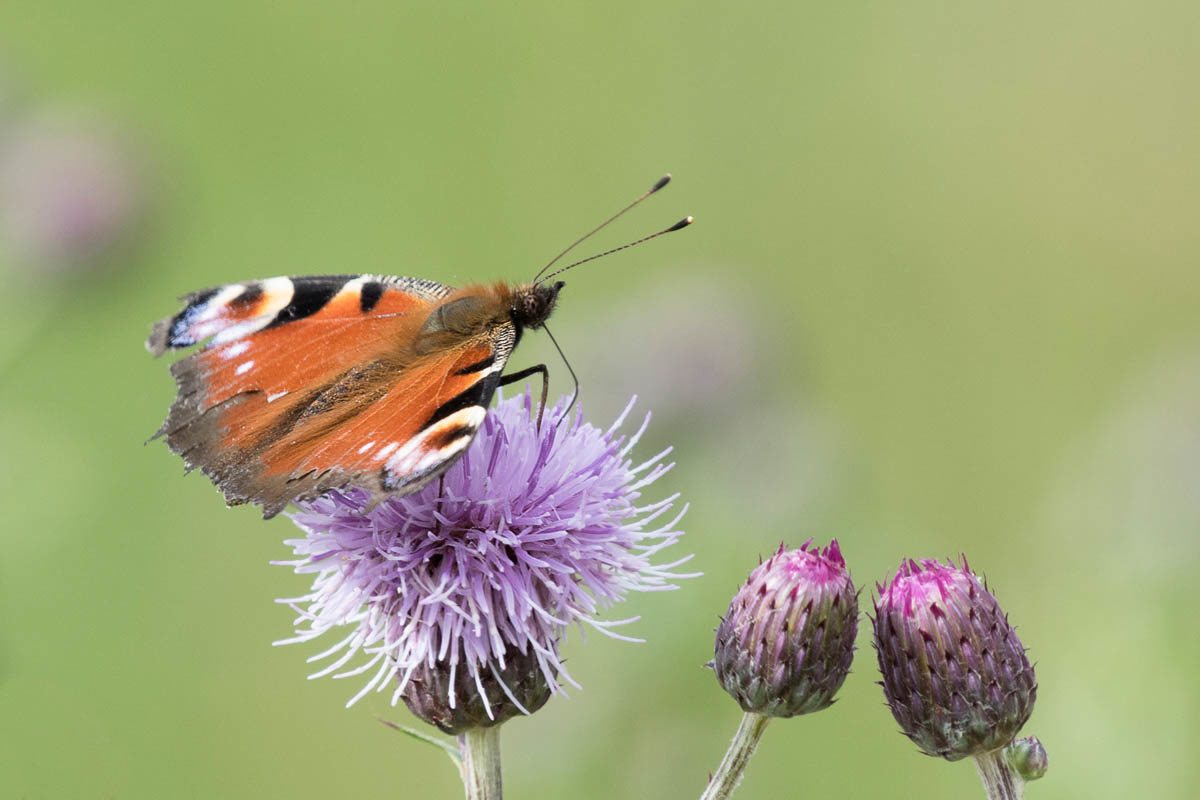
729, 774
999, 780
480, 749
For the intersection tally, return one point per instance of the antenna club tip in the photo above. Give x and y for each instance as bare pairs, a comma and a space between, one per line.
683, 223
663, 181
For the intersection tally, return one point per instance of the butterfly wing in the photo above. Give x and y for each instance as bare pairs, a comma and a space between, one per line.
311, 384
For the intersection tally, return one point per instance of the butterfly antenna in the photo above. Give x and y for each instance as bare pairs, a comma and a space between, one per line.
683, 223
574, 379
663, 181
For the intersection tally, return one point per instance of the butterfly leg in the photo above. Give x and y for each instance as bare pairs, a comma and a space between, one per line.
525, 373
441, 499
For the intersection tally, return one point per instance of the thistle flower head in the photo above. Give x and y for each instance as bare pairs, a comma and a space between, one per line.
785, 645
472, 581
954, 672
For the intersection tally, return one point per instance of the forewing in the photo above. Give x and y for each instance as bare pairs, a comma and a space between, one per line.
403, 432
310, 384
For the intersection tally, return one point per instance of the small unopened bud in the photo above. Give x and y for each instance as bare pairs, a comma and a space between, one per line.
454, 704
785, 645
1028, 757
954, 672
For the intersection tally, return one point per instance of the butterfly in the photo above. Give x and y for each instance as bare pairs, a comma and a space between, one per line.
308, 384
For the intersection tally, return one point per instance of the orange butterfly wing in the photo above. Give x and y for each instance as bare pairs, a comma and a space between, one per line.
312, 384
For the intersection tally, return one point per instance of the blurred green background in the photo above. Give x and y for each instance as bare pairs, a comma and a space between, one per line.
942, 296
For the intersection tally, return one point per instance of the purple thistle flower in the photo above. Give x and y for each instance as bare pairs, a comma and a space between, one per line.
531, 531
954, 672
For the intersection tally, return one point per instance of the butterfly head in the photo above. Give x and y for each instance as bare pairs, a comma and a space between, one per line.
533, 303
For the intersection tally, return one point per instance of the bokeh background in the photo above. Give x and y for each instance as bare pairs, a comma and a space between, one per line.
941, 297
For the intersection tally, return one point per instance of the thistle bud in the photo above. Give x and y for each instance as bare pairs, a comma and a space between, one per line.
954, 672
785, 645
451, 699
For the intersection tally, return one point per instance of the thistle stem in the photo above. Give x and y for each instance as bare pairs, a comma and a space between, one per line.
729, 773
999, 780
480, 749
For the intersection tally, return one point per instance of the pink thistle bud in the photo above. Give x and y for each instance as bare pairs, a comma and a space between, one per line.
785, 645
954, 672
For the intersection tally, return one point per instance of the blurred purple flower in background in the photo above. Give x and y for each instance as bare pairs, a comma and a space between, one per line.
69, 190
698, 354
707, 363
533, 530
1132, 476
